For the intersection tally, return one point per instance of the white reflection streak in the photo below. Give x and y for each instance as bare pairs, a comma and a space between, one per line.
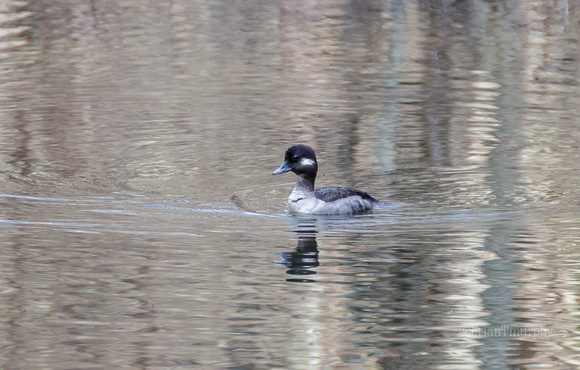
6, 32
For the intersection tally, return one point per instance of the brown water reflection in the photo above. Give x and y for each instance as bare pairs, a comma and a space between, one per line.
141, 225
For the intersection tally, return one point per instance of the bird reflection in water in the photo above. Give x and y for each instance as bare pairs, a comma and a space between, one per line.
302, 262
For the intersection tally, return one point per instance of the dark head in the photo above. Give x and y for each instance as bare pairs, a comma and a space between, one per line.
301, 160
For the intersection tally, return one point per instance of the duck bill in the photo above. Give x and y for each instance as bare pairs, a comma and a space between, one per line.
283, 168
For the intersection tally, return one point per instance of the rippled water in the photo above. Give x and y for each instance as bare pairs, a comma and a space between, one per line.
141, 225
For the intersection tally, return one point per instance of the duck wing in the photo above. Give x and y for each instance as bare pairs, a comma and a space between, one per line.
331, 193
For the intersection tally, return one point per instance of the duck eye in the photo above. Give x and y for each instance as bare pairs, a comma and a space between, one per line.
294, 158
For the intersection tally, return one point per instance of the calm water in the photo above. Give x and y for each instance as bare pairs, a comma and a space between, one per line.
141, 226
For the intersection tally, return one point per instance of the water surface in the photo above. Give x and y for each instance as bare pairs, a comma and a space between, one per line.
141, 225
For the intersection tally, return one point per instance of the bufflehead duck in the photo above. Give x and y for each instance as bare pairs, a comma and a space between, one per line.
301, 160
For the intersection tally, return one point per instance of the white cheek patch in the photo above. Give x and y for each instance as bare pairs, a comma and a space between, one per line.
307, 162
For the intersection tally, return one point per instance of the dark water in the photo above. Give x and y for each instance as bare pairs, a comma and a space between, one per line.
141, 226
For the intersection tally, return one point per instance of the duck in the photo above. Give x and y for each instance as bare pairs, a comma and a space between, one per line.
327, 200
